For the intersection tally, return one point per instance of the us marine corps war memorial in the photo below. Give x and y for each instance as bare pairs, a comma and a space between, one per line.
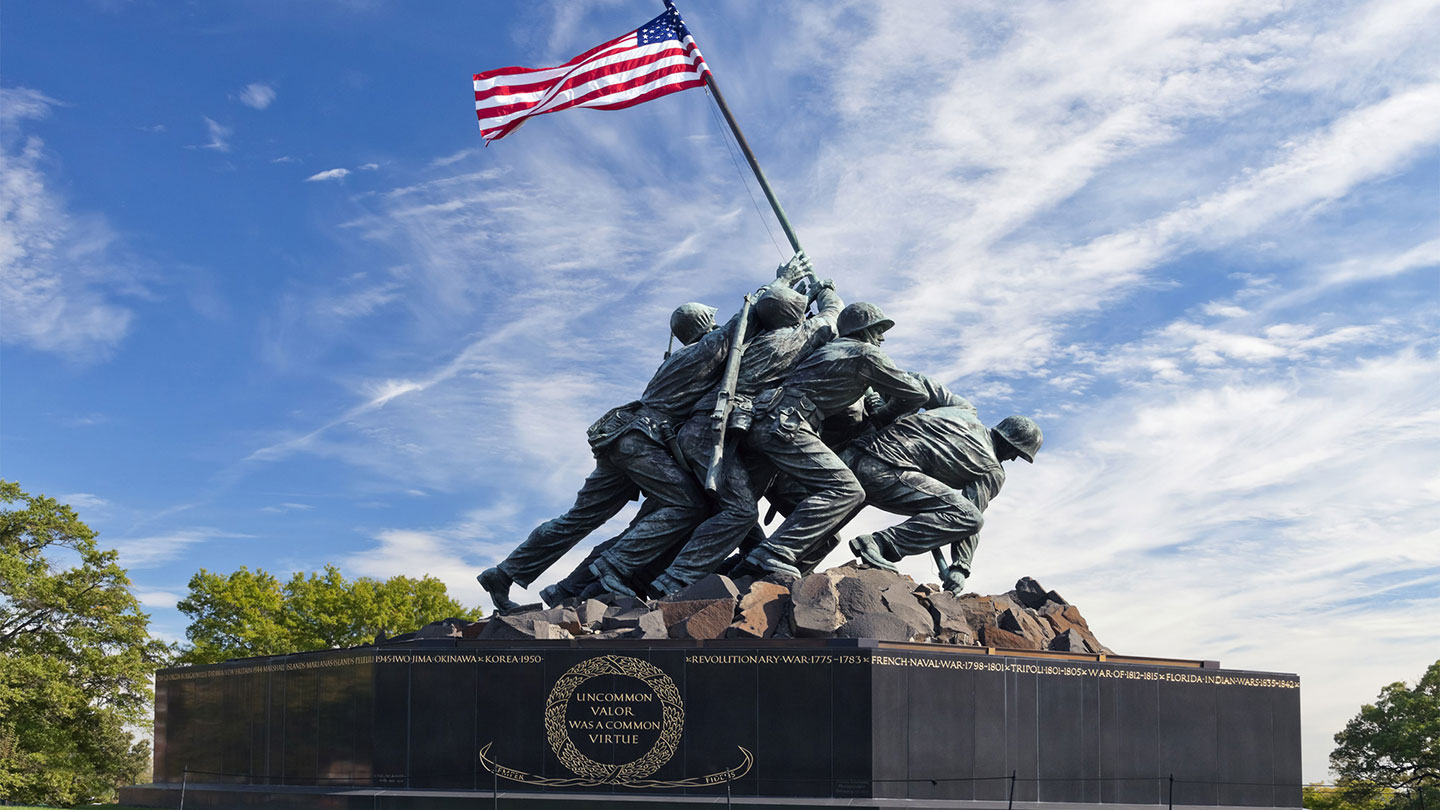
698, 658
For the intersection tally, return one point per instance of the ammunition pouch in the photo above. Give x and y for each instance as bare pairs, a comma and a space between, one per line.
742, 411
615, 423
788, 410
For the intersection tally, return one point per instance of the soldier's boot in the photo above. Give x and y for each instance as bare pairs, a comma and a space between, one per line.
766, 560
868, 550
730, 564
553, 595
497, 584
610, 579
665, 585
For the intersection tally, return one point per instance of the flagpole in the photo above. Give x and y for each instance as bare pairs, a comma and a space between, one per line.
745, 148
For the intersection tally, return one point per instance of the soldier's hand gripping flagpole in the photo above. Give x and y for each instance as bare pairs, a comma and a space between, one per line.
726, 398
656, 59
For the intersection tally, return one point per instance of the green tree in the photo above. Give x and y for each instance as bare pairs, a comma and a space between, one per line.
249, 613
75, 658
1319, 796
1394, 742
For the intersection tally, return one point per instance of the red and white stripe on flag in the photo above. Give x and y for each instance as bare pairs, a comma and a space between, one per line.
654, 60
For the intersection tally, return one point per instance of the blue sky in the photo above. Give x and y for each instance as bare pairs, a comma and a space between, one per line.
267, 301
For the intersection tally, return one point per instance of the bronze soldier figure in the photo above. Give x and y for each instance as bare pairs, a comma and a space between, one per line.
787, 337
838, 432
634, 455
942, 468
787, 423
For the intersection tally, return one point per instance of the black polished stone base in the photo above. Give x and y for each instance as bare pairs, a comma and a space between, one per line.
230, 797
832, 722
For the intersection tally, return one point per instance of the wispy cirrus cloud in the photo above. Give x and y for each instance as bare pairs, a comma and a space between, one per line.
62, 272
282, 508
328, 174
257, 95
83, 501
219, 135
156, 550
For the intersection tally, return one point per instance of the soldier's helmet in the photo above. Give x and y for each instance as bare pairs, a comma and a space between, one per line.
860, 316
780, 307
1023, 434
689, 322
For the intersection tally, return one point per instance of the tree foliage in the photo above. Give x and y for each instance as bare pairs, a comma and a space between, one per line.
75, 658
1351, 796
1394, 742
248, 613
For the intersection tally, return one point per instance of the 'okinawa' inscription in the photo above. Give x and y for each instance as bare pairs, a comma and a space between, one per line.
296, 665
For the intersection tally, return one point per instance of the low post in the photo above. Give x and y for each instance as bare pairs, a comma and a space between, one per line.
728, 777
1011, 804
184, 777
1170, 800
495, 787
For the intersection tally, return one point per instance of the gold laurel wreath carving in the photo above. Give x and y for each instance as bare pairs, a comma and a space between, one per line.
672, 723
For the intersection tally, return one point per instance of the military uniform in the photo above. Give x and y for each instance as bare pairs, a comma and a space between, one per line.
768, 359
838, 432
633, 457
939, 467
786, 433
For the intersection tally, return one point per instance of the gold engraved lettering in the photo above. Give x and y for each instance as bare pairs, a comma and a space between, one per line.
609, 712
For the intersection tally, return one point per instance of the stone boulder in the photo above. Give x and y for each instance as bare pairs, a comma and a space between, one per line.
590, 612
715, 586
761, 612
882, 625
850, 601
1006, 640
1070, 641
710, 621
866, 590
650, 626
1022, 622
564, 617
951, 624
521, 626
1029, 593
624, 617
445, 628
815, 606
705, 613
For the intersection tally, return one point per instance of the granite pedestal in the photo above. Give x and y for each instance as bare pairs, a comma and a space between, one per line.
768, 723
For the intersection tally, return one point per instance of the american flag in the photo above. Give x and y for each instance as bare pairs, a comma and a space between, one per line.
656, 59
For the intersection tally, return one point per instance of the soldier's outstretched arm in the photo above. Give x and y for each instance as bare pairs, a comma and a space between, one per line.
902, 392
827, 302
939, 395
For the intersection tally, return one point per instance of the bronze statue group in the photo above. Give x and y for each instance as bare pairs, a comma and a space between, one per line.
792, 400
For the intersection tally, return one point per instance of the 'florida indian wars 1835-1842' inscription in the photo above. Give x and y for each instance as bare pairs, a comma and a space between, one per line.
614, 720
